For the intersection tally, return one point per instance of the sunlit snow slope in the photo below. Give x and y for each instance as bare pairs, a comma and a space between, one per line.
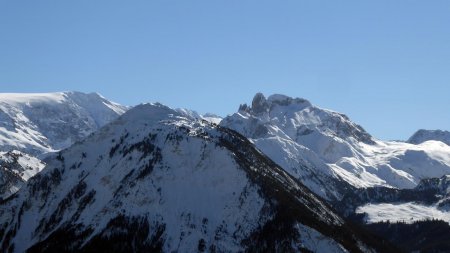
402, 212
46, 122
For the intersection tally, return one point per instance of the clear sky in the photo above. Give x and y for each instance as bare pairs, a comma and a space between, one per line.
384, 63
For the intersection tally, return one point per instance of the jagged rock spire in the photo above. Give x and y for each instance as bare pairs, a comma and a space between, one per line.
259, 103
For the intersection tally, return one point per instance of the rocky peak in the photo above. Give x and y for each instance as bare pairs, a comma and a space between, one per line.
284, 100
423, 135
261, 104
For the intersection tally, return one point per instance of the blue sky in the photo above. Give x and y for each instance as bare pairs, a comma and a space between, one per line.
386, 64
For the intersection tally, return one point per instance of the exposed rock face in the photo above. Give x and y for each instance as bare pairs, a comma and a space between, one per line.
259, 104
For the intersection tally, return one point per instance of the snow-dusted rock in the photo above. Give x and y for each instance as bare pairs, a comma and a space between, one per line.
15, 169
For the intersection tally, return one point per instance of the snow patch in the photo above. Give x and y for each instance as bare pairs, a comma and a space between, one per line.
402, 212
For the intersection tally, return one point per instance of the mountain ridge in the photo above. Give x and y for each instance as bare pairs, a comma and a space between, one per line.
175, 159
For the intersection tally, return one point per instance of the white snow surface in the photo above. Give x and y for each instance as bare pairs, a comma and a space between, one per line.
38, 123
298, 135
402, 212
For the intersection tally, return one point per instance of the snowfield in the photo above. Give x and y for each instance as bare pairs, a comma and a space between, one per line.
394, 164
402, 212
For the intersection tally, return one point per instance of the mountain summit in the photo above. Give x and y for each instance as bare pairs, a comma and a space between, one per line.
430, 135
299, 115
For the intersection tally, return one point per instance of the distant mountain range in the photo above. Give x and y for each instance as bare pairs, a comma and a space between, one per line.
280, 175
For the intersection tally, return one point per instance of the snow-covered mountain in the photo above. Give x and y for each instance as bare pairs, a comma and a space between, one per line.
47, 122
365, 179
325, 149
157, 180
32, 125
428, 135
